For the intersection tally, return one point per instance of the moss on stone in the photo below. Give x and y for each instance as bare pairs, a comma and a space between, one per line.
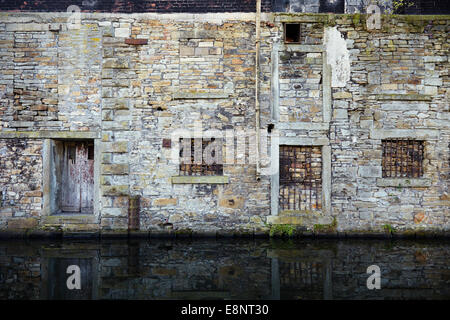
331, 227
389, 229
356, 19
184, 232
281, 230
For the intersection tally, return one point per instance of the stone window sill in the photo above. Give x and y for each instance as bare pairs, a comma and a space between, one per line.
199, 179
404, 182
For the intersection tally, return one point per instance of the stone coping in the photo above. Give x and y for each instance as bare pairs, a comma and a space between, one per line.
50, 134
404, 182
199, 179
217, 17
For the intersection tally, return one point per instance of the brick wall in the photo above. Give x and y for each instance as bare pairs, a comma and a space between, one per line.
130, 6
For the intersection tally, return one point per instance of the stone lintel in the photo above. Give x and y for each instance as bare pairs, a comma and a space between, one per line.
296, 141
301, 17
199, 179
404, 182
429, 134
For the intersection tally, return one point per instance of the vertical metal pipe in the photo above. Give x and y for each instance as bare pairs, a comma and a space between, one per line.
257, 107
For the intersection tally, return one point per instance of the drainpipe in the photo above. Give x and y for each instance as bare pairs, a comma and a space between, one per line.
257, 107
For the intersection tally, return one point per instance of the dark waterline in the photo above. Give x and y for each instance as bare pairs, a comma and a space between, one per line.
225, 269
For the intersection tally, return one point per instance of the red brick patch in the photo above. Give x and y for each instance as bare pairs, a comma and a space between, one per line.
136, 42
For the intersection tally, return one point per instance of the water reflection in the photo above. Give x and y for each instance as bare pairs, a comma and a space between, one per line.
224, 269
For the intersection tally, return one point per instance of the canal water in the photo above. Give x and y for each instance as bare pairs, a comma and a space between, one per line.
225, 269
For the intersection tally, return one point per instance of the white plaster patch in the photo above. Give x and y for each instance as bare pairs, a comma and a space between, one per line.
337, 57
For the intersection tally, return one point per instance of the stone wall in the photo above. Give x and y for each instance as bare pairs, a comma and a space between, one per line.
131, 81
21, 181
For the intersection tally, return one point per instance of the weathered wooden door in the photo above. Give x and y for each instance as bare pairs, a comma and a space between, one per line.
77, 187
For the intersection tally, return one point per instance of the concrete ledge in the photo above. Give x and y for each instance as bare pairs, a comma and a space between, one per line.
403, 182
200, 179
50, 134
200, 95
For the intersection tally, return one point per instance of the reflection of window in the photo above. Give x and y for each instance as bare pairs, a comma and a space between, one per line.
402, 158
292, 32
201, 157
300, 178
57, 279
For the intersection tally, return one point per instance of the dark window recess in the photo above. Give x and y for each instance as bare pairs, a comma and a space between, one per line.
192, 150
71, 153
423, 7
292, 32
335, 6
300, 178
402, 158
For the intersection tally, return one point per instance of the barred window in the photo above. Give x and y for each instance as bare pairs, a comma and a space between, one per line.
201, 157
402, 158
300, 178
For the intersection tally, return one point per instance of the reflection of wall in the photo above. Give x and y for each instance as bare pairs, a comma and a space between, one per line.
226, 269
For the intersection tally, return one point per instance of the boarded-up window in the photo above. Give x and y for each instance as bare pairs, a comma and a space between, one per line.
300, 178
201, 66
74, 169
402, 158
201, 157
